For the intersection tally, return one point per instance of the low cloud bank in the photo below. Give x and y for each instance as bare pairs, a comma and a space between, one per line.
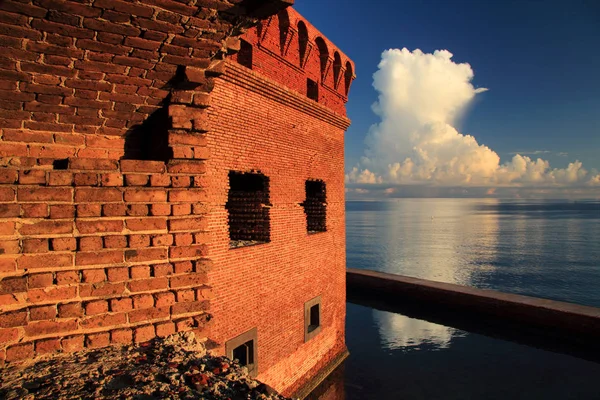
421, 96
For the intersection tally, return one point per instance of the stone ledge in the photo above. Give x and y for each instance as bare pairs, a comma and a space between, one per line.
566, 319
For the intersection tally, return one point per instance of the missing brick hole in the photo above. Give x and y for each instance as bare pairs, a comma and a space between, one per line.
248, 209
244, 56
315, 206
61, 164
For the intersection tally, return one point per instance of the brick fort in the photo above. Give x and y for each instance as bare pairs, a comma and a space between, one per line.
168, 166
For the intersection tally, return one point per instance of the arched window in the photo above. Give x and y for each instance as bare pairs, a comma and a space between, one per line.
348, 76
337, 68
302, 41
323, 54
284, 24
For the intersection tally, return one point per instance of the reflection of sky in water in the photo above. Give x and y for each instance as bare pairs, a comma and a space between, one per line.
542, 249
427, 239
398, 332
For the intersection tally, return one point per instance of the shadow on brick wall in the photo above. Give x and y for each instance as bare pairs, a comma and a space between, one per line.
150, 139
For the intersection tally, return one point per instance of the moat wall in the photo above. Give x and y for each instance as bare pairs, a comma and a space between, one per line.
571, 324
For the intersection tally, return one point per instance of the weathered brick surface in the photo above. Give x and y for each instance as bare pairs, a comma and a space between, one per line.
78, 79
85, 223
73, 272
119, 122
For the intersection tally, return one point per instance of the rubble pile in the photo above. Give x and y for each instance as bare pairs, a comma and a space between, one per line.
176, 367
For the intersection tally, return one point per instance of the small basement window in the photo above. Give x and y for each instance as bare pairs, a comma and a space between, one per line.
315, 206
244, 353
248, 209
244, 56
243, 349
312, 318
312, 90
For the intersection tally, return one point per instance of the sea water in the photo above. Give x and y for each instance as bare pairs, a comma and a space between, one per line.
547, 249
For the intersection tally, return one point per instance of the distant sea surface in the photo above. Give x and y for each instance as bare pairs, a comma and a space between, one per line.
547, 249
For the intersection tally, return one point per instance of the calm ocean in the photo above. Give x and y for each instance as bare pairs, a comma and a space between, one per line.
545, 249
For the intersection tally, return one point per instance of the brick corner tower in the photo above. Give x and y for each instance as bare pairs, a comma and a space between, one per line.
276, 176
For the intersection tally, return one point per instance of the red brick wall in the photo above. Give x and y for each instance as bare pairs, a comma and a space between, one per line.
102, 252
265, 286
276, 55
95, 249
70, 68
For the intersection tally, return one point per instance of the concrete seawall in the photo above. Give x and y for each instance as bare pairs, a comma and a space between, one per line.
578, 325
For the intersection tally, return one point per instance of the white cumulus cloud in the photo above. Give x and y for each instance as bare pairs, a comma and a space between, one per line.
421, 96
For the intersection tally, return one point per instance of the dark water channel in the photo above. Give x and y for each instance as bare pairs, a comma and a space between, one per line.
396, 357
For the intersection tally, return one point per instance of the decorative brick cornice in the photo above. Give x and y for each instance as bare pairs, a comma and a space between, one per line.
257, 83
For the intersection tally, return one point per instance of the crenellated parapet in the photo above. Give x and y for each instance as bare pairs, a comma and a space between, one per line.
288, 49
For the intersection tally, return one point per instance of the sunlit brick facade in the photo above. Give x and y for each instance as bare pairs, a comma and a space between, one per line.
263, 120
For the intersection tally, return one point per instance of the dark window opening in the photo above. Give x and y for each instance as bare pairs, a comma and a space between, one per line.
248, 209
244, 353
315, 206
312, 318
244, 56
243, 348
312, 90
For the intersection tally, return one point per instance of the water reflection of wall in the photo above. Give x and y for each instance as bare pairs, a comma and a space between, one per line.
332, 388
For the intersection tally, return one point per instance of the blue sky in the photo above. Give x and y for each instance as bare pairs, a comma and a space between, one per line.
540, 61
